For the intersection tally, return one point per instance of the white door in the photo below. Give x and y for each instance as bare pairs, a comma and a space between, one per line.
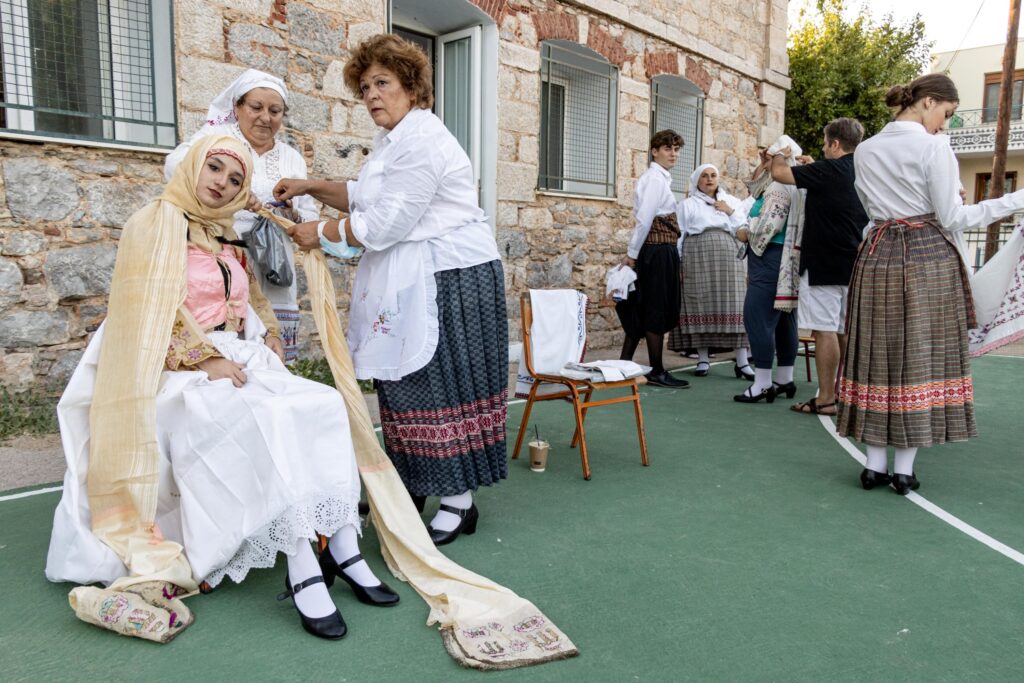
458, 89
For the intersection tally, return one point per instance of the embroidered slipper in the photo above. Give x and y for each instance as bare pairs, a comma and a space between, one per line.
128, 614
812, 407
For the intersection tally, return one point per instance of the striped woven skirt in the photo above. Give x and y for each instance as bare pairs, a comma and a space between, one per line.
906, 380
444, 425
713, 289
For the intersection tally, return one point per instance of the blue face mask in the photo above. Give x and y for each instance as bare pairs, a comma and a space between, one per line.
339, 249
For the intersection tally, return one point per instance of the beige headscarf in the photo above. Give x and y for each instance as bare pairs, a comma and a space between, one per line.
148, 289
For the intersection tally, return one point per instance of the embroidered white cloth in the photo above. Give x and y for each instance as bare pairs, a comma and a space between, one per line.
414, 208
653, 197
605, 370
619, 282
999, 297
283, 161
903, 171
558, 336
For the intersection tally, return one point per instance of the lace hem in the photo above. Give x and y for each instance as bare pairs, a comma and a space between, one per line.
324, 514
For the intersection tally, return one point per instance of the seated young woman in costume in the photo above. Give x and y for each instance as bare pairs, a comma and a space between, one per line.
193, 454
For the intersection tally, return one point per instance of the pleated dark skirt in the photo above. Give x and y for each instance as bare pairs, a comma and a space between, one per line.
444, 425
906, 380
713, 288
654, 306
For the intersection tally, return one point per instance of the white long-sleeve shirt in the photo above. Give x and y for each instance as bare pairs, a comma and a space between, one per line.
904, 171
696, 215
653, 197
418, 186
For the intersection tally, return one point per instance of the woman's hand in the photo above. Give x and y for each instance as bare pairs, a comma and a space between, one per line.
287, 188
723, 207
222, 368
742, 234
253, 204
275, 344
626, 261
305, 235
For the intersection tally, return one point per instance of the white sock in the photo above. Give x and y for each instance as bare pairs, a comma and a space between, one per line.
784, 374
313, 601
762, 380
742, 357
704, 355
877, 460
446, 521
903, 463
345, 544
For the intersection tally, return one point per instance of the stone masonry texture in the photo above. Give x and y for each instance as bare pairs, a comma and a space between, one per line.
62, 204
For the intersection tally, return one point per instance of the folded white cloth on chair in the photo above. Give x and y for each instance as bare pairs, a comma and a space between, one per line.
604, 370
619, 282
558, 336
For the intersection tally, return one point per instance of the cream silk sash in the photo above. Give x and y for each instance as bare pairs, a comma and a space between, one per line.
483, 625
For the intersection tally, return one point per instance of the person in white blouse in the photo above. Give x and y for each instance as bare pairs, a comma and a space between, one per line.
906, 380
714, 279
427, 318
252, 110
653, 308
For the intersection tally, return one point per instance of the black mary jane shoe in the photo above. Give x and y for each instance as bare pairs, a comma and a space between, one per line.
380, 595
702, 371
747, 397
467, 525
331, 627
903, 484
740, 374
789, 389
870, 479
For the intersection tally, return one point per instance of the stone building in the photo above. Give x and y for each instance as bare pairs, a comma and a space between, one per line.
555, 101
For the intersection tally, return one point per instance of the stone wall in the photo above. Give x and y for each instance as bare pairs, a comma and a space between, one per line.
61, 205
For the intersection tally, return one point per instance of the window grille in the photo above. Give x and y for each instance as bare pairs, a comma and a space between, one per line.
578, 110
678, 104
88, 69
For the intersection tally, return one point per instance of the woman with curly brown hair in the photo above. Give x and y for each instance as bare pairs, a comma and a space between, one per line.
427, 318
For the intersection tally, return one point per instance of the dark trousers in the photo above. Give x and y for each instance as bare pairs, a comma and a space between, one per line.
770, 331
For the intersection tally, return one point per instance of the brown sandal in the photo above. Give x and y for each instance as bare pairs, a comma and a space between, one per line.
812, 407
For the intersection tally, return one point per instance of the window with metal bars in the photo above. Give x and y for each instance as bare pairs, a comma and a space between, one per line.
88, 69
578, 110
678, 104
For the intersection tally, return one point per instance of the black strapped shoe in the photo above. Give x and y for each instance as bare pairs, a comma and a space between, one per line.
740, 374
331, 627
380, 595
789, 389
749, 397
869, 479
905, 483
467, 525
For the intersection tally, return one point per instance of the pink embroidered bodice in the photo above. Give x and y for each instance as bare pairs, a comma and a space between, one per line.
206, 299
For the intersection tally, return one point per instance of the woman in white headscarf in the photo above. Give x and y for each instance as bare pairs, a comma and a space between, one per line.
252, 110
714, 281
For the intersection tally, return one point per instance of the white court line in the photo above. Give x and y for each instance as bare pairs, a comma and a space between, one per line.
926, 504
26, 494
39, 492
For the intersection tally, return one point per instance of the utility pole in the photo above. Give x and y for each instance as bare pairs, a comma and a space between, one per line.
998, 182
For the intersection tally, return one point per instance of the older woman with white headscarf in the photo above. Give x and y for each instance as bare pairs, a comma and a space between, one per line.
252, 110
714, 283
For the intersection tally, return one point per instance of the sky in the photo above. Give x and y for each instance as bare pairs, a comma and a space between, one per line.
946, 21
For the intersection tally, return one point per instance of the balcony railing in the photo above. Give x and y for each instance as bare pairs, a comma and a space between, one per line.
974, 130
976, 240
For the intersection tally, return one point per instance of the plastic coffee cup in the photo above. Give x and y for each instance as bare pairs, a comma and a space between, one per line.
538, 455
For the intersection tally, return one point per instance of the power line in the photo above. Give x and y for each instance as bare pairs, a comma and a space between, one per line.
966, 33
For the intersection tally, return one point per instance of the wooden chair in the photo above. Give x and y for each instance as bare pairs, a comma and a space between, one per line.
579, 392
808, 353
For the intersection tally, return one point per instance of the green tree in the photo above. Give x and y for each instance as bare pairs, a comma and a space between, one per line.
842, 64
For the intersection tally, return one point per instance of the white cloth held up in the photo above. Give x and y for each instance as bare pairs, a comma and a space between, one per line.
620, 282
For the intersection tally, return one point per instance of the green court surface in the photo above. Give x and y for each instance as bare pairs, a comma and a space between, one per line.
747, 551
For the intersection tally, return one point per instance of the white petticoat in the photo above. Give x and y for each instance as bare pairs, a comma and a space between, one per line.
244, 473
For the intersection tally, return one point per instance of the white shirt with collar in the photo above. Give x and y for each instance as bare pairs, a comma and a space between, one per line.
696, 215
905, 171
653, 197
415, 209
